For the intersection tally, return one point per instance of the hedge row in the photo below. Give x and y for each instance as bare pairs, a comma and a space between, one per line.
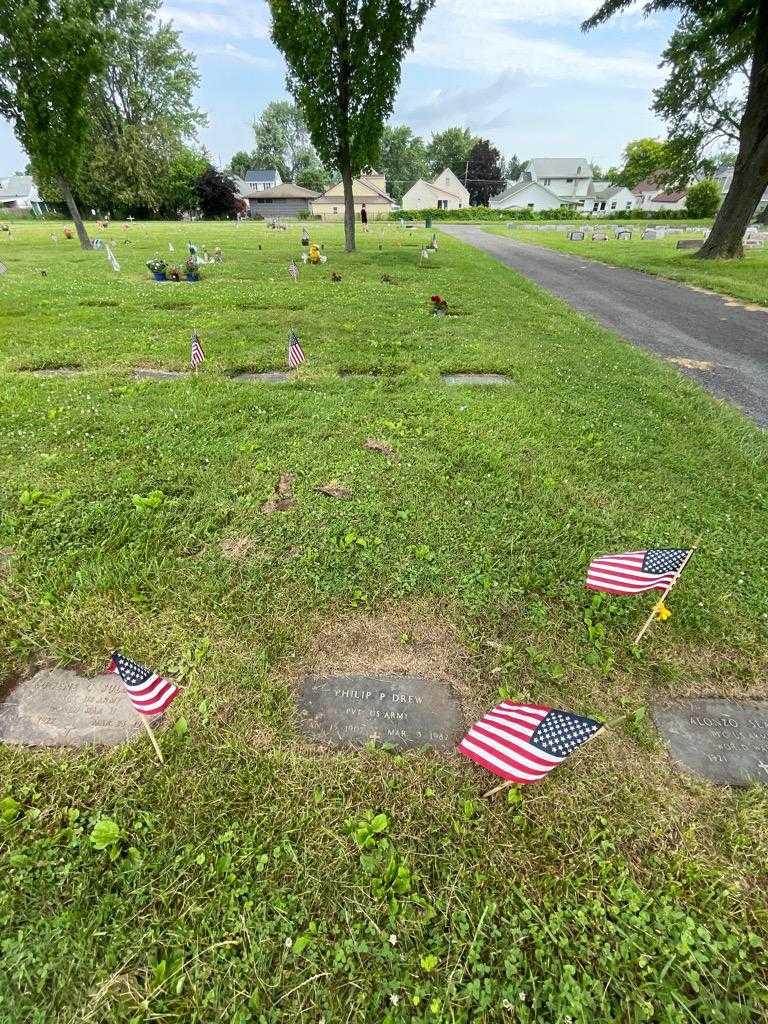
472, 213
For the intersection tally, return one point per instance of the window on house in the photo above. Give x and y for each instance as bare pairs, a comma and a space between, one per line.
335, 209
569, 181
613, 206
530, 206
547, 181
442, 204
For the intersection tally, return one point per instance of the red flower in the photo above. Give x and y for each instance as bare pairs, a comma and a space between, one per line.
438, 300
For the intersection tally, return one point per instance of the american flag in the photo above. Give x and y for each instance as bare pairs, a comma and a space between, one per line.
112, 259
3, 268
295, 351
524, 742
148, 691
197, 351
634, 572
293, 270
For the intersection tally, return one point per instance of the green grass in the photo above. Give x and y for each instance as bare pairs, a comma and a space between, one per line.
745, 279
246, 881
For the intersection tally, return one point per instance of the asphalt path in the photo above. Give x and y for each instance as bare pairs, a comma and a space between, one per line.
724, 341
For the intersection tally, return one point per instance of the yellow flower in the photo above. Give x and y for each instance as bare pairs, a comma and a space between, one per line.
662, 612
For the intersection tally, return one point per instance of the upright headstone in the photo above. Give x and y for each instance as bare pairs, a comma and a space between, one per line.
576, 236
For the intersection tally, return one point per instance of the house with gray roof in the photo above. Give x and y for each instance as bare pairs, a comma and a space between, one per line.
260, 178
19, 192
525, 195
568, 177
281, 201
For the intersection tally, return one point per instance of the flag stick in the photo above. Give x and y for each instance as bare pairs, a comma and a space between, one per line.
660, 601
151, 735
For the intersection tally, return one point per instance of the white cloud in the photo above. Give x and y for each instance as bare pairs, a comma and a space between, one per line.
232, 52
227, 20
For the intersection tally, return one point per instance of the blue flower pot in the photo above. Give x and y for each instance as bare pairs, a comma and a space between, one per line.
193, 277
159, 275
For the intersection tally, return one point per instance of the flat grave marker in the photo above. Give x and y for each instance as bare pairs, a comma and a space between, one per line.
689, 243
725, 741
475, 378
266, 377
408, 711
576, 236
59, 708
148, 374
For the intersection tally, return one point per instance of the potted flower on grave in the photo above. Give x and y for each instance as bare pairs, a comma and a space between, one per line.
68, 233
174, 274
157, 266
439, 305
192, 270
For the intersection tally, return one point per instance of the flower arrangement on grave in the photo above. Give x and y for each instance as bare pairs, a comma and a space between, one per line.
218, 256
314, 253
439, 305
69, 233
157, 267
174, 274
191, 267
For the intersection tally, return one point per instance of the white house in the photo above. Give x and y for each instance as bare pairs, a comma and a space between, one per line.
19, 192
649, 196
568, 177
259, 179
603, 197
525, 195
445, 192
724, 177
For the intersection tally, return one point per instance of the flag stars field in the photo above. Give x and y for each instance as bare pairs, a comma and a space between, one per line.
256, 868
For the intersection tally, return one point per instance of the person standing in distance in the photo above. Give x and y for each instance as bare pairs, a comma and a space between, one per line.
364, 217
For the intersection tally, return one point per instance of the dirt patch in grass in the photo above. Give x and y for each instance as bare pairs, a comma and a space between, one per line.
412, 640
98, 303
235, 549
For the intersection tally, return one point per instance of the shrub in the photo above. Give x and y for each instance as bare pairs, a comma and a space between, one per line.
703, 198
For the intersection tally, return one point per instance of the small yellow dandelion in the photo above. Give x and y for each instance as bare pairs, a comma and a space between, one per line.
662, 612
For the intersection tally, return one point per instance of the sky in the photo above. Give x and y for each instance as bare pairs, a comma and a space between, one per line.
519, 72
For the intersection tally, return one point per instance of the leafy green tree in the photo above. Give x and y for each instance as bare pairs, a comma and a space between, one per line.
315, 178
402, 159
450, 148
714, 43
140, 111
216, 193
643, 158
344, 59
514, 168
179, 190
485, 173
703, 198
51, 52
241, 163
282, 140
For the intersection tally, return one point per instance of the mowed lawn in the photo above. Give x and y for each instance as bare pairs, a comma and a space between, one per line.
250, 883
745, 279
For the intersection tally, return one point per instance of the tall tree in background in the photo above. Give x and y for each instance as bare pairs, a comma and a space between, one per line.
282, 139
179, 191
485, 176
402, 159
344, 59
514, 168
140, 111
51, 51
643, 158
714, 41
241, 163
217, 194
450, 148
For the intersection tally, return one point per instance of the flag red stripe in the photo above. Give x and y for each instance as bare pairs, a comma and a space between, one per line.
518, 753
499, 766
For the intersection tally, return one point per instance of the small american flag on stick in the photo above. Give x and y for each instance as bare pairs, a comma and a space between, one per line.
635, 572
524, 742
293, 270
197, 355
148, 691
295, 351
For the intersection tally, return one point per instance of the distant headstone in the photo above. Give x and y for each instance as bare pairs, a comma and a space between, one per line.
724, 741
475, 378
753, 243
147, 374
576, 236
652, 234
55, 371
599, 236
689, 243
624, 236
407, 711
58, 708
268, 377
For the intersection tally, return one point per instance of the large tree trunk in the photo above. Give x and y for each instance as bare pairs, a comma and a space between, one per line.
750, 175
349, 209
74, 213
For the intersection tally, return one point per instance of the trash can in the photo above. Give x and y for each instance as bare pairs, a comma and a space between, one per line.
428, 221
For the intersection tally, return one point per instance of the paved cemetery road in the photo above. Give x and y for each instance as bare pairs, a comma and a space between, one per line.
672, 320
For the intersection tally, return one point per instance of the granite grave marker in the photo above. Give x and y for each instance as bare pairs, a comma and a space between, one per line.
59, 708
407, 711
724, 741
475, 378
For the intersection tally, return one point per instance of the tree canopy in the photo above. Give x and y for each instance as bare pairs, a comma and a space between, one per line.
450, 148
344, 59
51, 52
402, 159
643, 158
485, 177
